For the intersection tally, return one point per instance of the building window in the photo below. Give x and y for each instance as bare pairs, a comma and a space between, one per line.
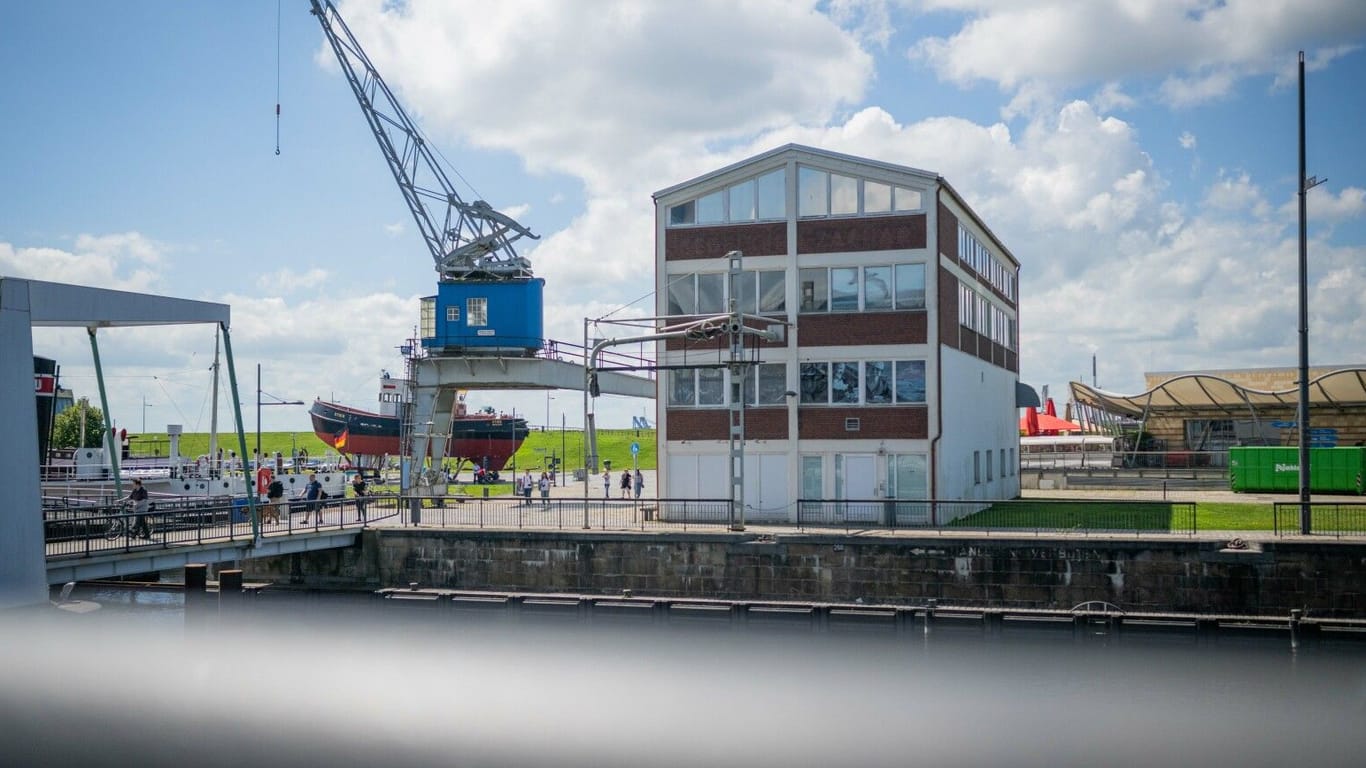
711, 209
682, 292
476, 311
684, 213
910, 381
770, 195
1003, 463
711, 293
877, 382
741, 200
843, 195
711, 386
910, 286
815, 382
908, 476
682, 390
820, 193
771, 381
815, 289
812, 194
870, 289
813, 478
877, 288
452, 313
988, 463
976, 467
877, 198
844, 383
844, 289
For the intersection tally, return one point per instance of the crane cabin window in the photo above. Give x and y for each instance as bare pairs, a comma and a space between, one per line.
476, 311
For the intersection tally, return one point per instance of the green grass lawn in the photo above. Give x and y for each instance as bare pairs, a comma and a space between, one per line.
614, 445
1126, 516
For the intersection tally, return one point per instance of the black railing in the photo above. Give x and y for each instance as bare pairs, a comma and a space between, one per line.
1036, 515
1326, 518
507, 512
74, 529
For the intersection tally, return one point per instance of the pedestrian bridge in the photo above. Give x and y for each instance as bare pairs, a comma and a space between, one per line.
85, 544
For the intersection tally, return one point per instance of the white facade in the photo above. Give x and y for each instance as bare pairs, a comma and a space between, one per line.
863, 402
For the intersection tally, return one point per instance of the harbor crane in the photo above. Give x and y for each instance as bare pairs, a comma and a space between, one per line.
467, 240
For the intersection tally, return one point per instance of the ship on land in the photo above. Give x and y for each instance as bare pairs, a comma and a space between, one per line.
486, 439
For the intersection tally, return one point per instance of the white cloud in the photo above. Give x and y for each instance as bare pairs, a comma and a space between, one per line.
395, 229
1073, 42
124, 261
1187, 140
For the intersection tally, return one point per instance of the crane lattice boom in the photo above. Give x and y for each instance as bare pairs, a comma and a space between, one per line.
472, 240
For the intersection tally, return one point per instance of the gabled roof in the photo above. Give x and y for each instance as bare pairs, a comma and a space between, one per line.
801, 151
1341, 389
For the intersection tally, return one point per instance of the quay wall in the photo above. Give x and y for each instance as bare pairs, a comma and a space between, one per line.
1323, 578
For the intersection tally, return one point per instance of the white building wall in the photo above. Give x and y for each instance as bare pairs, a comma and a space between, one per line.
979, 415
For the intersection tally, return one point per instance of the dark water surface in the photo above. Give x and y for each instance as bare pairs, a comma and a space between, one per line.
316, 680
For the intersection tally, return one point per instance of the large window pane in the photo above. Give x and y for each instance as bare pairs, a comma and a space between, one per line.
844, 383
843, 194
711, 293
681, 214
681, 388
910, 286
710, 209
877, 382
877, 198
813, 478
772, 291
711, 386
682, 295
771, 195
747, 292
772, 380
877, 288
906, 199
742, 201
844, 289
815, 289
812, 197
910, 476
910, 381
476, 311
815, 382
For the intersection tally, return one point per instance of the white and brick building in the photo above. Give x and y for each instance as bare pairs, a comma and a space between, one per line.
897, 378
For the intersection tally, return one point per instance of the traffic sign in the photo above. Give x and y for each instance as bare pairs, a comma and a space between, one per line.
635, 449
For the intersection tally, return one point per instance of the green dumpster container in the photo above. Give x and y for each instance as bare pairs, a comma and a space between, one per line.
1276, 469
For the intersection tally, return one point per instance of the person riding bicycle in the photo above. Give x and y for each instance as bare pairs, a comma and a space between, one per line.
141, 529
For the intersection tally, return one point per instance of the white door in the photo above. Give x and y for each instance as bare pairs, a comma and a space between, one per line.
860, 485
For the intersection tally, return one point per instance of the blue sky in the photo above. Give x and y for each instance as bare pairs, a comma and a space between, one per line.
1138, 158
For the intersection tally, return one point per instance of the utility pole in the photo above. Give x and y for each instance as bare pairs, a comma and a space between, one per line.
1306, 184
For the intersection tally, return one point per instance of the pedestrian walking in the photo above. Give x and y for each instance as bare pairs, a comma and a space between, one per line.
625, 483
358, 486
640, 483
527, 485
607, 483
545, 489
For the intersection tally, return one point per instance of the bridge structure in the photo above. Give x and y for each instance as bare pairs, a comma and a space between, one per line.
84, 544
24, 305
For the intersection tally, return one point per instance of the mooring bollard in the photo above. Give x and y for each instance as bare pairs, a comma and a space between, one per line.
230, 593
196, 596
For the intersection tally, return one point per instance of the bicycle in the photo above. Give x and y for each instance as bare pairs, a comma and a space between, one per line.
124, 523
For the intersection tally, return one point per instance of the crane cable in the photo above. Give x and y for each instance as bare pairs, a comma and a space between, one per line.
277, 77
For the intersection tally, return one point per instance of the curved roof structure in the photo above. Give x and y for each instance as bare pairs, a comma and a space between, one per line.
1340, 389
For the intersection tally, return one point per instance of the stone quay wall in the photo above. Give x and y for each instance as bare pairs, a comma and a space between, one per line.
1323, 578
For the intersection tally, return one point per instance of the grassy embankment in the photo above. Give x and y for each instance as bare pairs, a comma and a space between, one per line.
614, 445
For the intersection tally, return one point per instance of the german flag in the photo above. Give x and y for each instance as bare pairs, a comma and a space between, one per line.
340, 442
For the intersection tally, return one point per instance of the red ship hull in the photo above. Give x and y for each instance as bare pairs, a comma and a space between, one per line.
487, 440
